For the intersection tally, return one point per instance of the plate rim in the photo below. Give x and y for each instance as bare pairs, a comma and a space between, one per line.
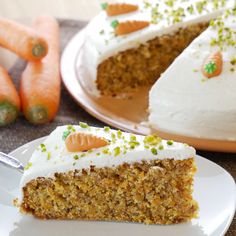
197, 142
202, 159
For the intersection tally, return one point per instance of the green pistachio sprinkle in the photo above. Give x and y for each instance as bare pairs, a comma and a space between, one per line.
152, 140
98, 154
106, 128
161, 147
117, 151
113, 136
83, 155
119, 134
195, 70
56, 147
170, 142
114, 23
71, 128
105, 151
154, 151
90, 151
83, 125
104, 5
29, 164
43, 147
210, 67
65, 134
49, 156
76, 157
232, 69
74, 164
233, 61
102, 32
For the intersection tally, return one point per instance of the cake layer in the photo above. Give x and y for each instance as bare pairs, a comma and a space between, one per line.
53, 157
184, 101
165, 17
151, 192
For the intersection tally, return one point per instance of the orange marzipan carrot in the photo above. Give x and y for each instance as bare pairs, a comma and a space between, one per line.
22, 40
40, 81
9, 99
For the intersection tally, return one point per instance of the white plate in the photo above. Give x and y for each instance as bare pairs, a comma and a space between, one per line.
214, 190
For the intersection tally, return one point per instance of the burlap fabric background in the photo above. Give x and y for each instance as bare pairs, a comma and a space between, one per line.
22, 132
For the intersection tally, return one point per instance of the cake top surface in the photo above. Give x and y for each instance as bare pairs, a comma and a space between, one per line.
195, 103
53, 156
163, 16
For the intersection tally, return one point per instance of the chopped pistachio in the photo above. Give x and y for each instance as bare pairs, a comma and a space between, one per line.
152, 140
170, 142
117, 151
106, 129
29, 164
76, 157
83, 125
154, 151
161, 147
43, 147
49, 156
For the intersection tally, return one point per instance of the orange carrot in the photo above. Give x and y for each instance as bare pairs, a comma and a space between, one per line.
127, 27
9, 99
40, 82
22, 40
120, 8
212, 65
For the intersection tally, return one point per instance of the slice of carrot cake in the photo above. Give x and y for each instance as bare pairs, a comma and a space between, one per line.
130, 43
88, 173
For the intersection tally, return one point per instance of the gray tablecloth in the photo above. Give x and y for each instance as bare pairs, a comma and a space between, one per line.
22, 132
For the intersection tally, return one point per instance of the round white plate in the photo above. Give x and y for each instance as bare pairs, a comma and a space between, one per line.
214, 190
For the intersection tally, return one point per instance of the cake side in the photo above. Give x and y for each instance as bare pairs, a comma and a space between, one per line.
156, 192
141, 66
185, 101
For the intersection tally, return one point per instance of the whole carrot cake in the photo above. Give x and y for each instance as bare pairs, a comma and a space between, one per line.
130, 43
88, 173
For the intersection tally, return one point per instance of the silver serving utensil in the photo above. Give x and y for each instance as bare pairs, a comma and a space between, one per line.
11, 162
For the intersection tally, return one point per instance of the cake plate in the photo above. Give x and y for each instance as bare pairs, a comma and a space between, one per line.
128, 114
214, 190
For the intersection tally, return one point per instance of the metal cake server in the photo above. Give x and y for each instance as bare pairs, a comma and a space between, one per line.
11, 162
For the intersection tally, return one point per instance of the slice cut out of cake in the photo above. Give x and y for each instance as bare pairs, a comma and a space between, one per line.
110, 176
124, 52
196, 95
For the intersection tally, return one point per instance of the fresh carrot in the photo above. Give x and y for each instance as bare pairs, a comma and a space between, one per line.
22, 40
9, 99
40, 82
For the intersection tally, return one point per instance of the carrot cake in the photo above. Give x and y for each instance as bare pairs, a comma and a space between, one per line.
130, 43
196, 95
88, 173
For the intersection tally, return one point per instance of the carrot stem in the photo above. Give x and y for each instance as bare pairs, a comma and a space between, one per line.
37, 115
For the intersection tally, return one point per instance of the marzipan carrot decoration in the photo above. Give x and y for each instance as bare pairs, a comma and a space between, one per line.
127, 27
40, 82
22, 40
9, 99
212, 65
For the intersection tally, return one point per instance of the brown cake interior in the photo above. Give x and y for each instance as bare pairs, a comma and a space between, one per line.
156, 192
142, 66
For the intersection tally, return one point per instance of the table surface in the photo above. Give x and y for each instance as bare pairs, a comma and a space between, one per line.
70, 113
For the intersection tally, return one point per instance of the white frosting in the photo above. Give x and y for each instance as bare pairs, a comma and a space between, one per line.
63, 161
100, 46
184, 102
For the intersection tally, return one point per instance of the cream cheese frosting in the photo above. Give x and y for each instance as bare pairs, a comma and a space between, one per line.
52, 155
165, 17
185, 102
